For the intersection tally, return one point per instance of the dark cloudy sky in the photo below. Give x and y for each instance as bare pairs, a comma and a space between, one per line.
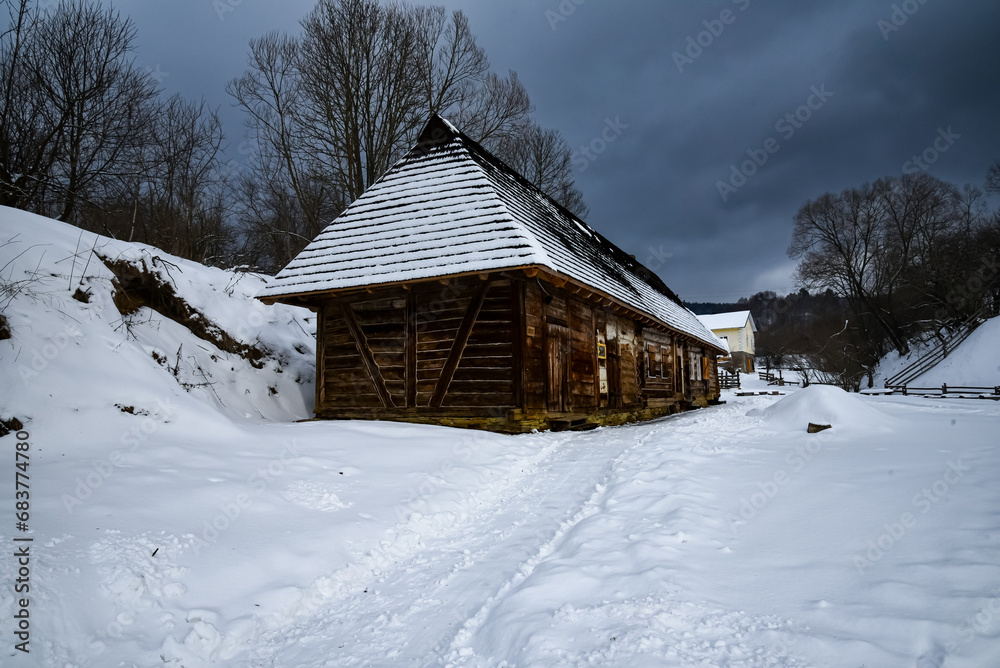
885, 80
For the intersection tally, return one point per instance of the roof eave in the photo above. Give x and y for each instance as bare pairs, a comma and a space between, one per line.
312, 299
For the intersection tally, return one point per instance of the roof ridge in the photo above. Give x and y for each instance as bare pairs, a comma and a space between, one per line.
439, 127
440, 132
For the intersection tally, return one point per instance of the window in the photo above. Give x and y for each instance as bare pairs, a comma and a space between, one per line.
694, 360
652, 364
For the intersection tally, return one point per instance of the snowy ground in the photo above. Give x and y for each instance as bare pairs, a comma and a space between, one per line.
206, 528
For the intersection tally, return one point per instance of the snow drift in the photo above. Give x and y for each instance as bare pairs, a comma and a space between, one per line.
823, 405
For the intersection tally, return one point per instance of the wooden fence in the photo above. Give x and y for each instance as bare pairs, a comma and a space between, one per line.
728, 381
952, 391
775, 380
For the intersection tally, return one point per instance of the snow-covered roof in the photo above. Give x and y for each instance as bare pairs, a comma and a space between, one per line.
450, 207
731, 320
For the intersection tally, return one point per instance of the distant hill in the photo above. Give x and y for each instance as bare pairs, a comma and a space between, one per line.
711, 308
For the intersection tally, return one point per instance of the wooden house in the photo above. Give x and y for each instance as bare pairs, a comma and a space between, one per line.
455, 292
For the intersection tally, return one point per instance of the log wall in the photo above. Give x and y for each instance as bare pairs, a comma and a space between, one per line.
500, 352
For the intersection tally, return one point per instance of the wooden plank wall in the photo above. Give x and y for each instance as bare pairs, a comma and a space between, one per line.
403, 349
346, 379
482, 347
547, 311
659, 367
483, 376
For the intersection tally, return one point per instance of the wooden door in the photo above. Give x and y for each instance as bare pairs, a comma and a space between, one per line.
614, 374
558, 356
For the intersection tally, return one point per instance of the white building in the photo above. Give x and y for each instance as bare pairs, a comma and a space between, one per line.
736, 329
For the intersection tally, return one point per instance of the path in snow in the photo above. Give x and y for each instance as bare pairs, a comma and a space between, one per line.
442, 575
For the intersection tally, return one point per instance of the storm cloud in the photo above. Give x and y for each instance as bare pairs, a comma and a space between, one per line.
699, 128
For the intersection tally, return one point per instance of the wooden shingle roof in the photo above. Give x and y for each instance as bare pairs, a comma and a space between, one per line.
450, 207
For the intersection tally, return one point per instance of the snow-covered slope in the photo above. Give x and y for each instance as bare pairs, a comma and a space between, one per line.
86, 356
975, 363
175, 523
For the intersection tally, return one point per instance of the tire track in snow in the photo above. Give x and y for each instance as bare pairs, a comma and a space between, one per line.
460, 651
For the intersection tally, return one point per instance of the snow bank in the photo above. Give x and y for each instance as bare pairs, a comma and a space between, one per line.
70, 345
822, 404
975, 363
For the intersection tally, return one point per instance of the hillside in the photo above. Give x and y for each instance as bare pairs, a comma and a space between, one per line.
191, 333
177, 513
975, 363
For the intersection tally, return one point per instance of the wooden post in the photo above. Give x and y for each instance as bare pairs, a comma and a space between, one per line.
410, 349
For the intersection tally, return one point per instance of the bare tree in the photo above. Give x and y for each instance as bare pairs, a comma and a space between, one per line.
993, 178
287, 190
28, 146
912, 255
544, 158
75, 106
333, 110
842, 245
100, 100
184, 189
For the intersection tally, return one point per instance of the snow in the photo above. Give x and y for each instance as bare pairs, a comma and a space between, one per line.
822, 405
730, 320
208, 528
975, 363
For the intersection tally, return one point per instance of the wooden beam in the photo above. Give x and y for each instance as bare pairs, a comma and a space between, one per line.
410, 350
458, 345
484, 277
520, 342
367, 356
531, 272
320, 357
